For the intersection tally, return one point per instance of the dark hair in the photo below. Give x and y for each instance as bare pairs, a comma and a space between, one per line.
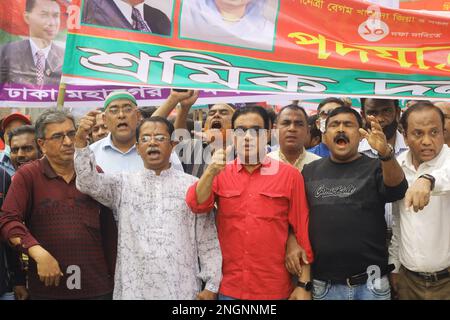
340, 110
420, 106
169, 125
330, 100
272, 116
382, 101
252, 109
30, 5
293, 107
21, 130
146, 112
313, 130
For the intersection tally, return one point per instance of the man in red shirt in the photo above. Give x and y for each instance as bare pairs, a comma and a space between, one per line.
257, 199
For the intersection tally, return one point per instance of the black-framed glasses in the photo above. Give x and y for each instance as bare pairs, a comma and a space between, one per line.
159, 138
59, 136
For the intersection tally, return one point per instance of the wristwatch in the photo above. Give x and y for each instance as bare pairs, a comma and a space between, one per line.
390, 155
305, 285
430, 178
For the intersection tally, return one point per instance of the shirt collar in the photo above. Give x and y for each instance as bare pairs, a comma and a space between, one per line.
35, 48
127, 9
406, 160
107, 143
264, 164
48, 171
297, 162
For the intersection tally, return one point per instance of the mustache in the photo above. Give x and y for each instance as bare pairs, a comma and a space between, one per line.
341, 136
152, 149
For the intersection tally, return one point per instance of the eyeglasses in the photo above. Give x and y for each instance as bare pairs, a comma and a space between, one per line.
125, 110
158, 138
60, 136
254, 131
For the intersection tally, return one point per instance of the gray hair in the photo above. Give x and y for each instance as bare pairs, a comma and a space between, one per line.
49, 117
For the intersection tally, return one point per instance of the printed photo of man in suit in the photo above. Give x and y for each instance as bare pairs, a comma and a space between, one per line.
38, 60
126, 14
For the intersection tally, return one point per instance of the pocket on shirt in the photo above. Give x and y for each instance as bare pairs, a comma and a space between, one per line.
273, 204
229, 200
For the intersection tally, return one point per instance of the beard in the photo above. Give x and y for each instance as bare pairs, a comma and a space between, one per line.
390, 130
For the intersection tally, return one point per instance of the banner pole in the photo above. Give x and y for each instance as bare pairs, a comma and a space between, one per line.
61, 96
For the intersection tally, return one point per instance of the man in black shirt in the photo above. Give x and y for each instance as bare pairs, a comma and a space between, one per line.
346, 194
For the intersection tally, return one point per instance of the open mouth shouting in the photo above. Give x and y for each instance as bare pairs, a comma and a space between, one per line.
216, 124
341, 139
122, 126
154, 153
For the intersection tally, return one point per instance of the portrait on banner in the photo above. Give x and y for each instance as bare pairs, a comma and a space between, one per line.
240, 23
147, 16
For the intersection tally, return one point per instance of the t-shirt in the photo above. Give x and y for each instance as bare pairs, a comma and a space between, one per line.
347, 227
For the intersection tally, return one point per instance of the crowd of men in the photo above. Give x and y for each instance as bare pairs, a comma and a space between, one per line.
346, 204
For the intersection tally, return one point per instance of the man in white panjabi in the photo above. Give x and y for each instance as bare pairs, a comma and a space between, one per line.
164, 250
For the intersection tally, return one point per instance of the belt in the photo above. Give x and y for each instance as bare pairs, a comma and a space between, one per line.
431, 276
360, 278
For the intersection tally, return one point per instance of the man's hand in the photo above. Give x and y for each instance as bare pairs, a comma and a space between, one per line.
47, 267
219, 160
393, 279
294, 254
300, 294
84, 128
189, 101
207, 295
376, 137
21, 293
418, 195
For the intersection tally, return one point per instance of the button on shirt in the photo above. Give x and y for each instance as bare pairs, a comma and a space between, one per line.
112, 160
421, 240
304, 158
254, 213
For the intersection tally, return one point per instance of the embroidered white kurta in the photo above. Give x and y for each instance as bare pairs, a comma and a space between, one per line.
164, 250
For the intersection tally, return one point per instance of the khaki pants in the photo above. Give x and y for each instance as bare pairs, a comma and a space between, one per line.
412, 287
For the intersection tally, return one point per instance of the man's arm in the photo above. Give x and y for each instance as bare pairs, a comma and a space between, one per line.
394, 245
183, 111
209, 255
171, 102
299, 220
105, 188
393, 174
13, 230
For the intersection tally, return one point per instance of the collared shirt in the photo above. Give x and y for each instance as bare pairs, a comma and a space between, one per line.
164, 250
399, 147
254, 213
112, 160
5, 161
421, 240
304, 158
64, 221
320, 150
35, 49
127, 10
